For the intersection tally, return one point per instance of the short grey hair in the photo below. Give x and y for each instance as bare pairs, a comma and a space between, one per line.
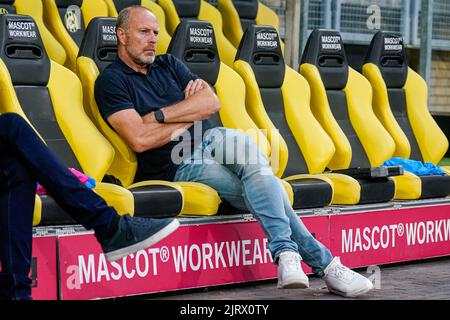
124, 16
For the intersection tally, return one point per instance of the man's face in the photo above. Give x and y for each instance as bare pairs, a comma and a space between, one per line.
141, 38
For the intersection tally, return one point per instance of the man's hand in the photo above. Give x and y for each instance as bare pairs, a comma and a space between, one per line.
194, 86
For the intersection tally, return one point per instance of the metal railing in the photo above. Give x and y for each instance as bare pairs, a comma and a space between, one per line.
358, 20
441, 23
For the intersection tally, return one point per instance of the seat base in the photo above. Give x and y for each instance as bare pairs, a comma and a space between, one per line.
435, 186
376, 190
311, 193
156, 201
52, 213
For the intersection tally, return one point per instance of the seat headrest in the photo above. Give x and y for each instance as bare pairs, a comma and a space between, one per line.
7, 6
247, 9
100, 42
68, 3
187, 8
260, 48
122, 4
22, 50
388, 52
194, 43
325, 50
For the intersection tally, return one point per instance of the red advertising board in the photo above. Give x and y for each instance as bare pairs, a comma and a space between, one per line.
193, 256
43, 269
390, 236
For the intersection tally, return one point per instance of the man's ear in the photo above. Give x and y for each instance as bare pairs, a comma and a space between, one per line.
121, 36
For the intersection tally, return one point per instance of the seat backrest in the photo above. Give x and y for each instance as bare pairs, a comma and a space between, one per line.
178, 10
99, 49
278, 98
341, 100
194, 43
34, 9
400, 100
49, 96
67, 20
239, 14
115, 6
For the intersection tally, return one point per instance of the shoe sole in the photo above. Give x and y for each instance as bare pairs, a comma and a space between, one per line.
353, 294
294, 284
150, 241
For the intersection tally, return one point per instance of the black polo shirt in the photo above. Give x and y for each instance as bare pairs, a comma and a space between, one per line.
119, 87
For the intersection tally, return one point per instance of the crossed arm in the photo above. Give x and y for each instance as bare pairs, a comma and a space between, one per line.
145, 133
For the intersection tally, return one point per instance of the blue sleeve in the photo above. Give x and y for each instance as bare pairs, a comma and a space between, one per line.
111, 94
184, 74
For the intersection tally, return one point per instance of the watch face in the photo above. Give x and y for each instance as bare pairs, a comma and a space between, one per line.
159, 115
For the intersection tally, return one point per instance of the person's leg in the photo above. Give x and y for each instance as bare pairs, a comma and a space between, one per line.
17, 195
313, 252
249, 188
118, 236
85, 206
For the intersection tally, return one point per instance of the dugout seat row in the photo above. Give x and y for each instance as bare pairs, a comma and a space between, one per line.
24, 54
341, 100
67, 21
279, 94
49, 96
279, 98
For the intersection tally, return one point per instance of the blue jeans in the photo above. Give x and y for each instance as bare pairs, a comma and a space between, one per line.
24, 160
231, 163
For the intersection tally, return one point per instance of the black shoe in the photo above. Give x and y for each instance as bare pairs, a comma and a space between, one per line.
135, 233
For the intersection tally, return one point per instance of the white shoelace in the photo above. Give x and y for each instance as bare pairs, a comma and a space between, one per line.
342, 272
293, 262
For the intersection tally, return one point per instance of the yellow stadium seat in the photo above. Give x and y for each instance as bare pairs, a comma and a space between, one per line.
280, 100
237, 15
341, 100
35, 9
400, 103
177, 10
96, 53
67, 20
50, 97
115, 6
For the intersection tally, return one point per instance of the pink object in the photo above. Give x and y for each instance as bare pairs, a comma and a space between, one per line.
81, 176
222, 253
390, 236
44, 270
193, 256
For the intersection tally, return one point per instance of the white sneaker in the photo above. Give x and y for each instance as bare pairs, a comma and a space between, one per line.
345, 282
290, 273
